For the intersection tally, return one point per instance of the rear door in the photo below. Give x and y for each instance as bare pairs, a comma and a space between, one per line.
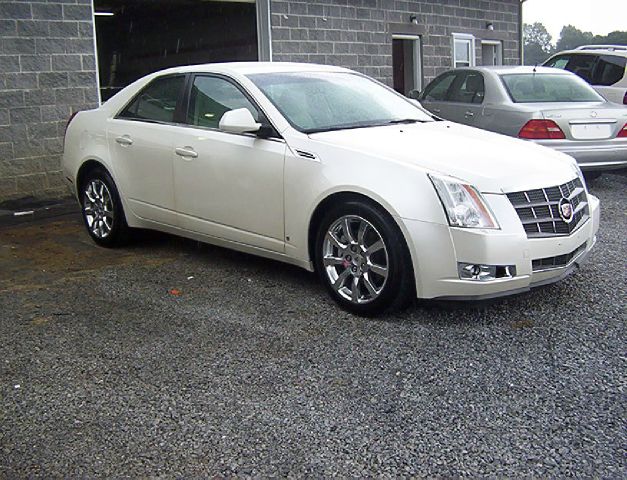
606, 78
140, 144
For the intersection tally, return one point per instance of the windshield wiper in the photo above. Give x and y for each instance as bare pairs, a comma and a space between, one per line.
404, 120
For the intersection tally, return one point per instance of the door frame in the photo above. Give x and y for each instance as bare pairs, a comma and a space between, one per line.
418, 70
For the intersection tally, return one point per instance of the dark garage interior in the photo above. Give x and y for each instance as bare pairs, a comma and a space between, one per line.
138, 37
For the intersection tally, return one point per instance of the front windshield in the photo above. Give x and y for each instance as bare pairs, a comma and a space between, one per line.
548, 87
323, 101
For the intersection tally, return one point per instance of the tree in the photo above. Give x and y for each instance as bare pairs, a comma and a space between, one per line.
537, 43
571, 37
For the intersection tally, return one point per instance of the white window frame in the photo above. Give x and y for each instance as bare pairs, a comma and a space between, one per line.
465, 37
499, 50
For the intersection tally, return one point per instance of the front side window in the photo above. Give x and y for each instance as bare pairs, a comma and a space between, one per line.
212, 97
609, 70
157, 102
468, 89
324, 101
463, 51
548, 87
582, 65
437, 91
558, 62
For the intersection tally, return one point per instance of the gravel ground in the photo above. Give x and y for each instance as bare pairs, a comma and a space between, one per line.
247, 369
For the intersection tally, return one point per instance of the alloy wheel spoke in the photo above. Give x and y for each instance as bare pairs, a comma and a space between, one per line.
336, 241
363, 226
369, 286
378, 269
332, 261
375, 247
347, 230
355, 289
339, 283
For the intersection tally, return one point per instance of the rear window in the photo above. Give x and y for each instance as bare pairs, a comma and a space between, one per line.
547, 87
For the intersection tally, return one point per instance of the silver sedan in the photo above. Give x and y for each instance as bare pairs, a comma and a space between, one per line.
552, 107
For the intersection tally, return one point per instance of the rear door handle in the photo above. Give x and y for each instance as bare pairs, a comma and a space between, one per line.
188, 152
124, 140
469, 114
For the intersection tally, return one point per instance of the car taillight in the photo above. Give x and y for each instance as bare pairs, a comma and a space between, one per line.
541, 130
623, 132
625, 99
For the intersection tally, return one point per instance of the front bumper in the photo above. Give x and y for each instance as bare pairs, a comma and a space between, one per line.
593, 155
437, 249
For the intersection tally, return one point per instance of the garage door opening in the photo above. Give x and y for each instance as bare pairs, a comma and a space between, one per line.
137, 37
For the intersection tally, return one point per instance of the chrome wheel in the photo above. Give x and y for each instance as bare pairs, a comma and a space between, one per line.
355, 259
98, 208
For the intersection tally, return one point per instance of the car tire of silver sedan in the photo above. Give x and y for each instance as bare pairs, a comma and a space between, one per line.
102, 209
363, 260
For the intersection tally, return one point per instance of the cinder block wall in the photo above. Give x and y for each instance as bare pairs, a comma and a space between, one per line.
358, 33
47, 70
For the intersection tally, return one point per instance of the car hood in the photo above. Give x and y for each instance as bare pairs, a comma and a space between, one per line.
491, 162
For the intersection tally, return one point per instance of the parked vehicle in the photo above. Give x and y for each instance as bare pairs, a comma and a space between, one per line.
602, 66
554, 108
324, 168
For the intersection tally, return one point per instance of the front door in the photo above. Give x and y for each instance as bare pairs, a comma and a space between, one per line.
228, 186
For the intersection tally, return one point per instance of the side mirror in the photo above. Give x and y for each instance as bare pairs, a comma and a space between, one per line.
414, 94
239, 120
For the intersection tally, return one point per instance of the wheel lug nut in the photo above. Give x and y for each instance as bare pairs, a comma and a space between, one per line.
354, 269
348, 258
353, 248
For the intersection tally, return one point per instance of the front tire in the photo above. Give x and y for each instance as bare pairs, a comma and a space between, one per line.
362, 259
102, 209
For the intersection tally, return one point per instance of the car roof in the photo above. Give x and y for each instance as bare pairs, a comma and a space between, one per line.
505, 70
247, 68
592, 51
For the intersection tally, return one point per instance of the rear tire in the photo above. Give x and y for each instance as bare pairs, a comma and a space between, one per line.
362, 259
102, 209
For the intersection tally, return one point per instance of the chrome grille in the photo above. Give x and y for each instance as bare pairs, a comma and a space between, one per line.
538, 209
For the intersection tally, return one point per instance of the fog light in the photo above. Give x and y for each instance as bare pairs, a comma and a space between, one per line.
484, 273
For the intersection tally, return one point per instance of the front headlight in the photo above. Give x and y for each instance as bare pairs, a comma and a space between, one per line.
579, 173
463, 203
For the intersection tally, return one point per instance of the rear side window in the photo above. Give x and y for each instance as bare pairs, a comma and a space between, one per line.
157, 102
547, 87
609, 70
437, 90
558, 62
212, 97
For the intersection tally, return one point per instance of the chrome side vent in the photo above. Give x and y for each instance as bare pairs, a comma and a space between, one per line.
307, 155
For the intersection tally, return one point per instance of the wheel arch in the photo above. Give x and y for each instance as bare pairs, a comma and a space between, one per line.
86, 167
345, 196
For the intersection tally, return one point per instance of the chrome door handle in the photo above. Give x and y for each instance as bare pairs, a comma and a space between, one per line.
124, 140
469, 114
436, 110
186, 152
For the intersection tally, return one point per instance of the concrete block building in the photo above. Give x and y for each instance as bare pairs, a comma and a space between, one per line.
58, 56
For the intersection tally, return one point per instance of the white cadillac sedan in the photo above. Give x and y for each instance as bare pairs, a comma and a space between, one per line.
327, 169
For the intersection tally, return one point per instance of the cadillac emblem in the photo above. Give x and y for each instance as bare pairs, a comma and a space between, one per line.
566, 210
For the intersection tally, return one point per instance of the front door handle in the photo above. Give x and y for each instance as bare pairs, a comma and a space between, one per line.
436, 110
124, 140
469, 114
188, 152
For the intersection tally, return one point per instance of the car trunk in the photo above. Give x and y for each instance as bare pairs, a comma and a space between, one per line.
590, 121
